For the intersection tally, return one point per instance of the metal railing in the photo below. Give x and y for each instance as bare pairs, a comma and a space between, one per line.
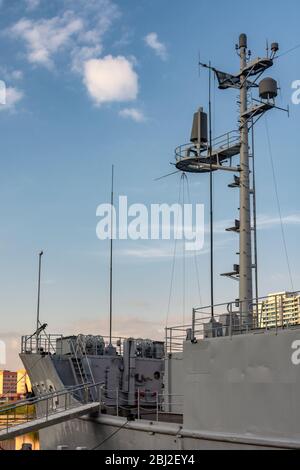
43, 343
227, 140
221, 143
143, 404
116, 341
50, 404
270, 313
47, 344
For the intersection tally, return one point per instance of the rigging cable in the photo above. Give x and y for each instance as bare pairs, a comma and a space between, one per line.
174, 253
181, 201
288, 51
278, 204
254, 216
211, 200
110, 436
26, 373
194, 251
183, 252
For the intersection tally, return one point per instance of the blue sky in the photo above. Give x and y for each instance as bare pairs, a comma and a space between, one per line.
69, 117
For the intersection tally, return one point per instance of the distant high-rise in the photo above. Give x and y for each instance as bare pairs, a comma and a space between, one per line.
8, 382
23, 382
281, 309
14, 384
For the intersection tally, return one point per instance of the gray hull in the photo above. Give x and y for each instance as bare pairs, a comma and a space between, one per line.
239, 393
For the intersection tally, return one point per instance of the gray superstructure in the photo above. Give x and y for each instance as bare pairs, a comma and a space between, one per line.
235, 391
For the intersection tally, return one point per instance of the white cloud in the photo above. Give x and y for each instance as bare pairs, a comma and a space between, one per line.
10, 75
44, 37
77, 28
81, 54
110, 79
17, 74
32, 4
97, 16
132, 113
13, 96
160, 49
159, 251
264, 222
268, 221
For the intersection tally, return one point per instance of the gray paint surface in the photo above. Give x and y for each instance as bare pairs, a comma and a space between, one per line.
245, 385
239, 392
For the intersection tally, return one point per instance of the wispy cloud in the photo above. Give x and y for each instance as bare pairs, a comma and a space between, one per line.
159, 48
269, 221
133, 113
78, 27
159, 251
10, 75
32, 4
77, 30
155, 250
45, 37
13, 96
264, 222
125, 326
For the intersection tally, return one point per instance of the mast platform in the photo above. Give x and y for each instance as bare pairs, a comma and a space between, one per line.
190, 158
257, 110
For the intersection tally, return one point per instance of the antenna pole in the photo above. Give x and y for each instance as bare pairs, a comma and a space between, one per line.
211, 204
245, 285
111, 256
38, 300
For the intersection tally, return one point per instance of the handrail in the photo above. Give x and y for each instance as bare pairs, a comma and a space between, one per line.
47, 396
9, 418
268, 313
159, 403
252, 300
219, 142
47, 343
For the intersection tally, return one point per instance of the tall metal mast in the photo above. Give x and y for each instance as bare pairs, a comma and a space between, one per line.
38, 299
203, 156
245, 286
111, 257
211, 205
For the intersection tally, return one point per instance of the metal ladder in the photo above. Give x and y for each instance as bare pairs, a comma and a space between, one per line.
78, 369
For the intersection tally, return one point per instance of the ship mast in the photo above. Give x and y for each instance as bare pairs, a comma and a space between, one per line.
245, 270
111, 257
204, 155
